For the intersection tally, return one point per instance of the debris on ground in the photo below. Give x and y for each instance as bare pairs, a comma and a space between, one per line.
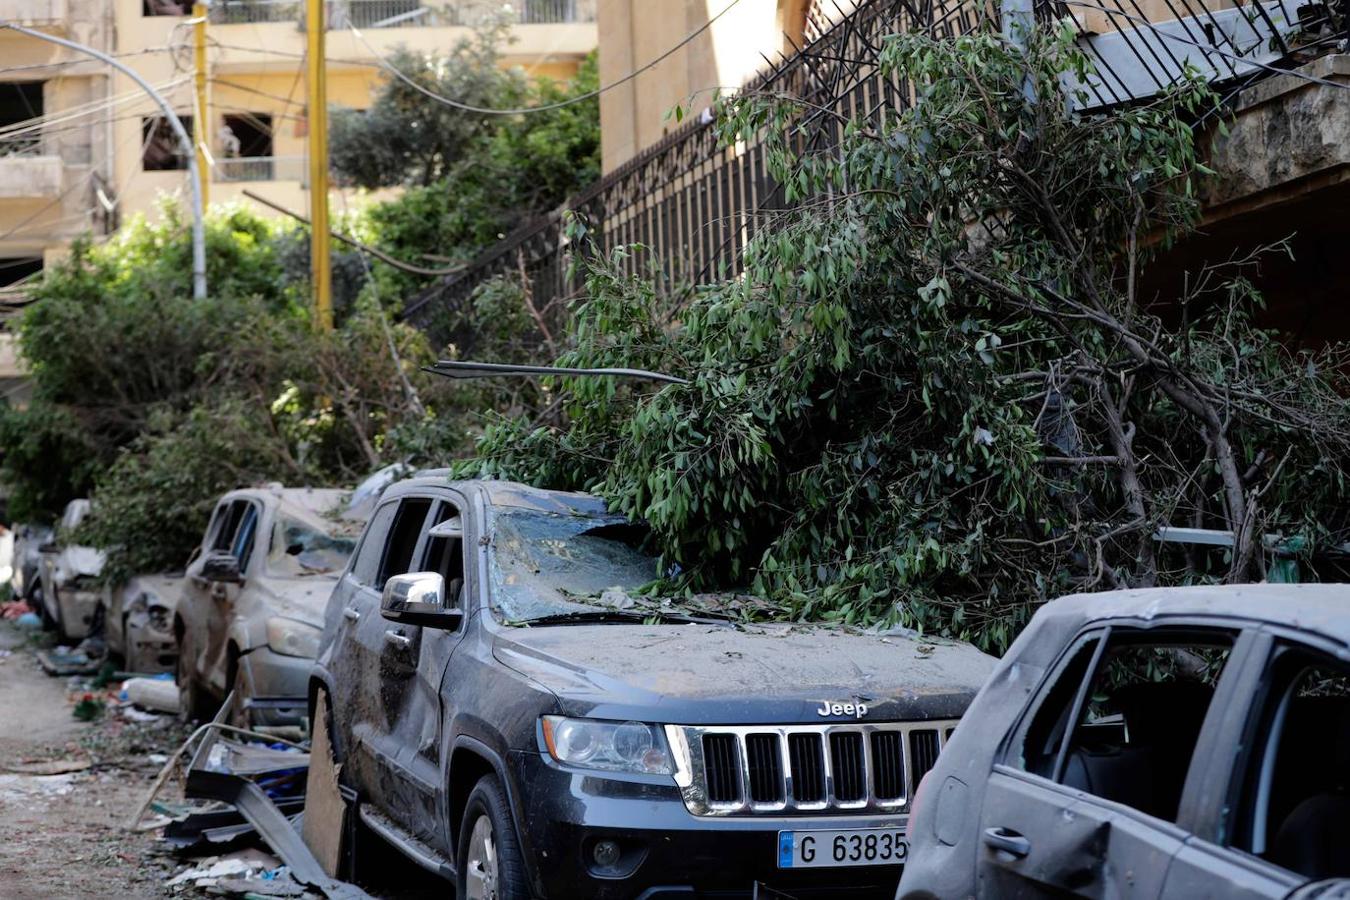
13, 609
155, 694
247, 864
62, 661
48, 766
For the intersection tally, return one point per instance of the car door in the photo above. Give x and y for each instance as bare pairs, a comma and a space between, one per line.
200, 609
372, 633
412, 665
355, 598
1086, 798
1275, 806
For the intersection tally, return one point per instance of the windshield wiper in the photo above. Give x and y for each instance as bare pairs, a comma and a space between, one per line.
607, 616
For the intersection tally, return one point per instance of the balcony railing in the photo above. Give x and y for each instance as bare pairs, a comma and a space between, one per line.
405, 13
237, 12
260, 168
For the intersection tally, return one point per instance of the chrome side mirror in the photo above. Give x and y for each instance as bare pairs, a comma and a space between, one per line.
418, 598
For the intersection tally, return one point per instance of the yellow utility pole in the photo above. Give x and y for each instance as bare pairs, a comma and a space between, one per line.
200, 134
321, 264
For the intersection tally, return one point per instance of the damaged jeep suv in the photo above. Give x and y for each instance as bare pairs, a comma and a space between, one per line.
504, 711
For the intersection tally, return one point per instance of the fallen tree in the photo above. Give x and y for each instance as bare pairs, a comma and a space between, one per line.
938, 396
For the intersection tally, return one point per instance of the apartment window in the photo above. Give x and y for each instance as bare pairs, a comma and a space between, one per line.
245, 147
15, 269
161, 150
20, 101
166, 7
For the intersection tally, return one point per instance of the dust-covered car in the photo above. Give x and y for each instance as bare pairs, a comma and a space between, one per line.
510, 714
1167, 743
138, 621
71, 590
250, 613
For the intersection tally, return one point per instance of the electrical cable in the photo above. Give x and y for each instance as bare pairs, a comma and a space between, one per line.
40, 123
468, 107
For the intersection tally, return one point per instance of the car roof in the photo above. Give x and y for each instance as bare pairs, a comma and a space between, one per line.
1321, 608
498, 493
312, 504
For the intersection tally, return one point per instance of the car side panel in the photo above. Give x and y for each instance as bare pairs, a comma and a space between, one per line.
1078, 844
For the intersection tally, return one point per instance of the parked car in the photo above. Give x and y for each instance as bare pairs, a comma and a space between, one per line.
69, 573
1168, 743
509, 717
251, 607
138, 621
27, 577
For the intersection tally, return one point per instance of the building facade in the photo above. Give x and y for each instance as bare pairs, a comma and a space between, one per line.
82, 148
728, 43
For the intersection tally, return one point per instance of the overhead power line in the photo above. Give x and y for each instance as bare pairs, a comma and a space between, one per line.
352, 242
488, 111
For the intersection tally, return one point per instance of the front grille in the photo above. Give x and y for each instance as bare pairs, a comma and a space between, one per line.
807, 761
764, 763
801, 769
888, 765
723, 767
923, 751
850, 772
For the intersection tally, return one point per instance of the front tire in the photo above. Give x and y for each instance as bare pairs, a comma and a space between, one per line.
491, 866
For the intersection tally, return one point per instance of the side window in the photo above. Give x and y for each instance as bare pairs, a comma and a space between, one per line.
217, 522
366, 568
445, 553
223, 539
1122, 719
1294, 806
244, 537
403, 538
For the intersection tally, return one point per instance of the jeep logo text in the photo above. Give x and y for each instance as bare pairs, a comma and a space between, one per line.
857, 710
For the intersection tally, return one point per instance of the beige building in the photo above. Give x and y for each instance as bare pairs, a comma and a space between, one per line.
82, 148
722, 55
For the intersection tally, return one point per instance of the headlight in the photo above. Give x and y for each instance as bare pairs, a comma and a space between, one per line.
291, 638
614, 746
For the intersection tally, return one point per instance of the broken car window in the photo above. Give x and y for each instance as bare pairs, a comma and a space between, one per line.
548, 564
1295, 786
299, 548
403, 538
1139, 719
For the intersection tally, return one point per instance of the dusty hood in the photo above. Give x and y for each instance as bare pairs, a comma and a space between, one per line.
302, 598
75, 562
701, 673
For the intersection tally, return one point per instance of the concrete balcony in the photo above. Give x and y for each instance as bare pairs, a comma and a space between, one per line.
45, 14
24, 177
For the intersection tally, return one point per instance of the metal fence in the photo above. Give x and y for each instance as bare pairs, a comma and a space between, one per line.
404, 13
696, 204
1139, 48
260, 168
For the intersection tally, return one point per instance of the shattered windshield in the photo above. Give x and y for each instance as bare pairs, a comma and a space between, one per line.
298, 548
547, 563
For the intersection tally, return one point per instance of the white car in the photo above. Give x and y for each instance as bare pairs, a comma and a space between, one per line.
250, 613
69, 572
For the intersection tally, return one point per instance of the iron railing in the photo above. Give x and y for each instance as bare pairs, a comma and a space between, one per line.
696, 204
259, 168
405, 13
1138, 48
247, 12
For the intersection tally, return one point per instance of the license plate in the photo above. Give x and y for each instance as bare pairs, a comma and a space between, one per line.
855, 847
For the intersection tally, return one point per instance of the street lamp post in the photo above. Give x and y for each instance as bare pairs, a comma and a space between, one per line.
184, 139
